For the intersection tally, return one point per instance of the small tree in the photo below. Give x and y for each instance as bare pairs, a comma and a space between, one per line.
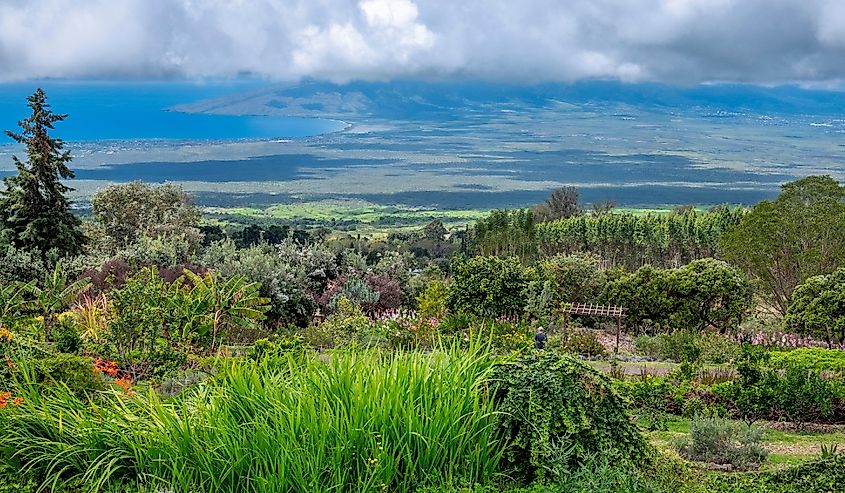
125, 213
35, 211
817, 307
563, 203
709, 292
799, 235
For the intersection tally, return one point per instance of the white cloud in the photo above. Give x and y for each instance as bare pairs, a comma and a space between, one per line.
762, 41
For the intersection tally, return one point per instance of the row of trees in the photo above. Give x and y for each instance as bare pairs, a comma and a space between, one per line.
624, 240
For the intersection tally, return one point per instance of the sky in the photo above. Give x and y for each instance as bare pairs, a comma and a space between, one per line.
670, 41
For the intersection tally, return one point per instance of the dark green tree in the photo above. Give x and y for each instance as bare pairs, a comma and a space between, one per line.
487, 286
817, 307
35, 210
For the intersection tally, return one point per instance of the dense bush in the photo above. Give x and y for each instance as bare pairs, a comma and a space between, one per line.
822, 476
704, 293
487, 286
721, 441
796, 394
554, 408
584, 343
288, 274
817, 308
678, 345
432, 301
134, 212
575, 278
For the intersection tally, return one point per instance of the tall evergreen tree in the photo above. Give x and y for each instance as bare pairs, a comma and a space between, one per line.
34, 210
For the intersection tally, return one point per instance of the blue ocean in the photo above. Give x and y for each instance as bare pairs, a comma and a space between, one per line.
139, 111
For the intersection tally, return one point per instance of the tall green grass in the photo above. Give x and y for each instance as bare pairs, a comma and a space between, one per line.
356, 422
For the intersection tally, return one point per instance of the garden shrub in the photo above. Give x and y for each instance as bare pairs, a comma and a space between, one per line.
584, 343
346, 324
796, 393
66, 334
432, 301
487, 286
717, 349
681, 345
556, 408
75, 372
721, 441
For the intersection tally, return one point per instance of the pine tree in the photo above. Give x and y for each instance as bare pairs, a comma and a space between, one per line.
34, 210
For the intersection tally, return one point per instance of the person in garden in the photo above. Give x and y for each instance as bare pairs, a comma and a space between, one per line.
540, 338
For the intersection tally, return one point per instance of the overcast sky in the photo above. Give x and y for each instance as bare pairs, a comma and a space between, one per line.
684, 41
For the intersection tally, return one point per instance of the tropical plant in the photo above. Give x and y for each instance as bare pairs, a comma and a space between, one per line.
54, 295
224, 303
14, 301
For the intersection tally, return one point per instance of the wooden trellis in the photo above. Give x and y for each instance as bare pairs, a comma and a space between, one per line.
589, 309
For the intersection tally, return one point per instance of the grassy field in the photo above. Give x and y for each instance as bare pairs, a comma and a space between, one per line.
356, 215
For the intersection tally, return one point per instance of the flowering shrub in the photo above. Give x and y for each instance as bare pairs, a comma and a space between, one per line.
783, 340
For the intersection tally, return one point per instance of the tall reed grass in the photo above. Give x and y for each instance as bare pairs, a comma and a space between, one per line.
354, 422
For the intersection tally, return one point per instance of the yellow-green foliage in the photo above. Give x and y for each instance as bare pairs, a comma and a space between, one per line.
432, 301
832, 360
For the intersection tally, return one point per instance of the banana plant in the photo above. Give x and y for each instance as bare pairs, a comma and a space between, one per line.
225, 303
14, 301
55, 295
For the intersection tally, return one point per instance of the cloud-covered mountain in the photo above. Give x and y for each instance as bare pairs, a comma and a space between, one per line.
675, 41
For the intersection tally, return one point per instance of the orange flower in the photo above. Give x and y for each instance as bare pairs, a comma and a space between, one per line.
126, 384
10, 363
18, 401
4, 399
107, 367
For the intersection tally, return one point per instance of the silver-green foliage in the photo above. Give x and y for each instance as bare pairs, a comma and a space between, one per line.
721, 441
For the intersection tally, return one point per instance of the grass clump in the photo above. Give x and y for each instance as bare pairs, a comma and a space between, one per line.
362, 422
